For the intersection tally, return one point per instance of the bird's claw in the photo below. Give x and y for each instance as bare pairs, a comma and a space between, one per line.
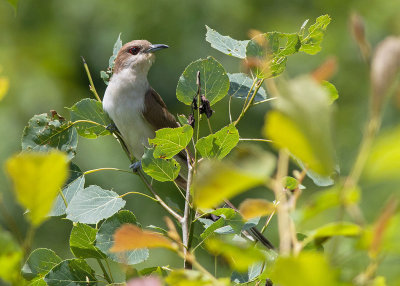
112, 128
136, 166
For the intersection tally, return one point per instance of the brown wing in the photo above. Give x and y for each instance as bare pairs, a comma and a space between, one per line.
156, 112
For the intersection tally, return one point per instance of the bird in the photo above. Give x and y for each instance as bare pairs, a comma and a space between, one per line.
137, 110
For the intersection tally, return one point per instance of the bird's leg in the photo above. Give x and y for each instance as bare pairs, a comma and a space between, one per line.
112, 128
136, 166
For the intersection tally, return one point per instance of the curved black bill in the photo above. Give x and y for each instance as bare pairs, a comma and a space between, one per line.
154, 48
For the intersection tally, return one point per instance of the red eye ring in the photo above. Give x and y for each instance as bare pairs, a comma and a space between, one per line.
134, 50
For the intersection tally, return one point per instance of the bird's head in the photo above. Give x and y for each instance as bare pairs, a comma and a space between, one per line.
137, 55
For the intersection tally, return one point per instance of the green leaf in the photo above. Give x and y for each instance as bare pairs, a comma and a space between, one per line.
213, 77
117, 47
311, 268
160, 169
290, 183
311, 44
39, 263
153, 270
384, 159
13, 3
71, 272
38, 281
37, 179
170, 141
335, 229
82, 242
44, 133
219, 144
93, 204
240, 255
90, 110
220, 180
182, 119
240, 86
185, 277
226, 44
11, 255
332, 91
271, 51
105, 239
302, 123
69, 192
330, 198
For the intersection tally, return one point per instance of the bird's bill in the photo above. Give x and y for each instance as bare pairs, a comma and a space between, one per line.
156, 47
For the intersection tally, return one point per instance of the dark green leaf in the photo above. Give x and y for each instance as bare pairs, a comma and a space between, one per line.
39, 263
69, 192
82, 241
93, 204
170, 141
71, 272
226, 44
44, 133
214, 81
105, 239
219, 144
240, 86
38, 281
90, 110
311, 43
160, 169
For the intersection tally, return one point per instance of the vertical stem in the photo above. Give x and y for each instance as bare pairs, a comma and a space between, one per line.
104, 271
284, 226
186, 220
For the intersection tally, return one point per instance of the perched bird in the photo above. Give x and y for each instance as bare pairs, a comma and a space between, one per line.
137, 109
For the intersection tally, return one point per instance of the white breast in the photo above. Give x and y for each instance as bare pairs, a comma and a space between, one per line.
124, 103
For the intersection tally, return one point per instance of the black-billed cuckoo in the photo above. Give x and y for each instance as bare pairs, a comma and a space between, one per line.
138, 110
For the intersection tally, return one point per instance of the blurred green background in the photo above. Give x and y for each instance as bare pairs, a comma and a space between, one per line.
41, 45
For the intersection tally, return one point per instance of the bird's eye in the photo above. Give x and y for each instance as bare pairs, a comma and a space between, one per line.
134, 50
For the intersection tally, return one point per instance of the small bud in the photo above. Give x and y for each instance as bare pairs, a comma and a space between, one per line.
357, 27
385, 67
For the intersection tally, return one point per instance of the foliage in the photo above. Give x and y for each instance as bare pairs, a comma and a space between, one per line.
219, 168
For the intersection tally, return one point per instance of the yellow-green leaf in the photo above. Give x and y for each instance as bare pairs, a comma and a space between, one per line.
37, 178
301, 123
240, 255
4, 85
219, 180
309, 268
256, 207
384, 159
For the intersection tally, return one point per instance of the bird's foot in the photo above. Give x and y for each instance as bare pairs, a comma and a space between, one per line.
136, 166
112, 128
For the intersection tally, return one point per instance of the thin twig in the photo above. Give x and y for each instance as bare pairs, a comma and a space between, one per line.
106, 169
254, 139
265, 100
91, 86
138, 193
159, 199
